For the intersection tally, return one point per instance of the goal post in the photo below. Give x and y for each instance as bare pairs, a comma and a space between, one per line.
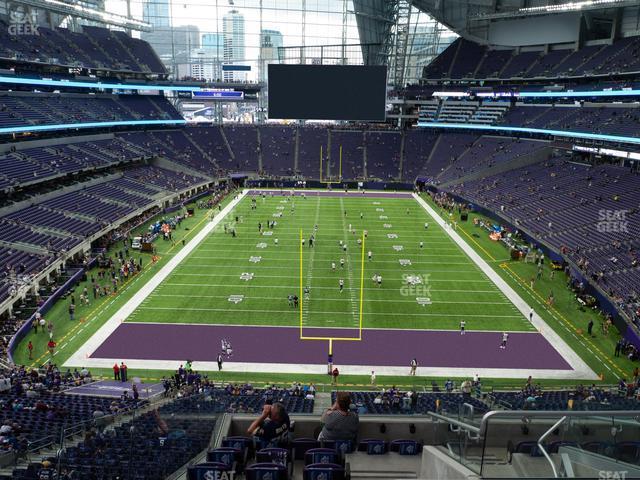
327, 180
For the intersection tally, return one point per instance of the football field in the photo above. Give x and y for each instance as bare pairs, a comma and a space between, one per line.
253, 281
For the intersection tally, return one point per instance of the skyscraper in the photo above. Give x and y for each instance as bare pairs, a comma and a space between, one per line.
270, 41
156, 12
233, 40
213, 44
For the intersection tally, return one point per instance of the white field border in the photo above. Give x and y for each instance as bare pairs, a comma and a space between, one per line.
80, 357
580, 370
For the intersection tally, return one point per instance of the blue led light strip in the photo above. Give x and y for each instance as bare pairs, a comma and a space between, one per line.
558, 133
119, 86
66, 126
599, 93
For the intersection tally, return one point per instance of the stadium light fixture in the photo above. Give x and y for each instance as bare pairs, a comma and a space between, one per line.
571, 6
557, 8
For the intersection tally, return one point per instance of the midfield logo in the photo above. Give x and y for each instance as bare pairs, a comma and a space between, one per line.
398, 248
268, 233
379, 209
387, 225
392, 235
246, 276
405, 262
255, 259
261, 245
383, 217
235, 298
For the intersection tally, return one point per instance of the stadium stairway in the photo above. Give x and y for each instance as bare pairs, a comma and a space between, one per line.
227, 144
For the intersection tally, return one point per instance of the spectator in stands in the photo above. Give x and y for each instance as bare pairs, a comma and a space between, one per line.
340, 423
273, 424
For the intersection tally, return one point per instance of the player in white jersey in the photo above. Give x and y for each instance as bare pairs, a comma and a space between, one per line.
463, 324
505, 337
341, 285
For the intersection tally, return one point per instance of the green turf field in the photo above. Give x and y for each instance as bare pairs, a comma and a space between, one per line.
205, 287
440, 259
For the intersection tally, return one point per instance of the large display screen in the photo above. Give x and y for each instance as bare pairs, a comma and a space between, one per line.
327, 92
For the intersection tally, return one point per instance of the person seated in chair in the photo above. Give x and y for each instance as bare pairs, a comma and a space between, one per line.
273, 424
340, 423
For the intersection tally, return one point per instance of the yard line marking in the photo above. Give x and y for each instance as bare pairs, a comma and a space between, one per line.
289, 287
329, 255
234, 275
289, 267
208, 309
328, 299
304, 303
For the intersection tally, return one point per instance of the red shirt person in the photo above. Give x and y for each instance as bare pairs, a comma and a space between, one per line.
51, 345
116, 371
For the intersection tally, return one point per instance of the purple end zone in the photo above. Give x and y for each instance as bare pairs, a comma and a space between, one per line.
251, 344
334, 193
114, 389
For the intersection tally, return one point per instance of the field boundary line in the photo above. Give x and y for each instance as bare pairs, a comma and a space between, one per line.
104, 332
580, 367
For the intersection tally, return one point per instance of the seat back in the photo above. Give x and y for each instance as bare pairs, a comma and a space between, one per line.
322, 456
323, 471
530, 448
273, 455
628, 451
373, 446
301, 445
226, 455
406, 447
553, 447
341, 446
266, 471
240, 443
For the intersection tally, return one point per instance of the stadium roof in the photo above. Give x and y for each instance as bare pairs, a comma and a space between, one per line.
473, 18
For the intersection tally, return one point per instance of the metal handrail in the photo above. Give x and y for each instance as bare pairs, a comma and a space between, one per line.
457, 423
546, 414
544, 450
